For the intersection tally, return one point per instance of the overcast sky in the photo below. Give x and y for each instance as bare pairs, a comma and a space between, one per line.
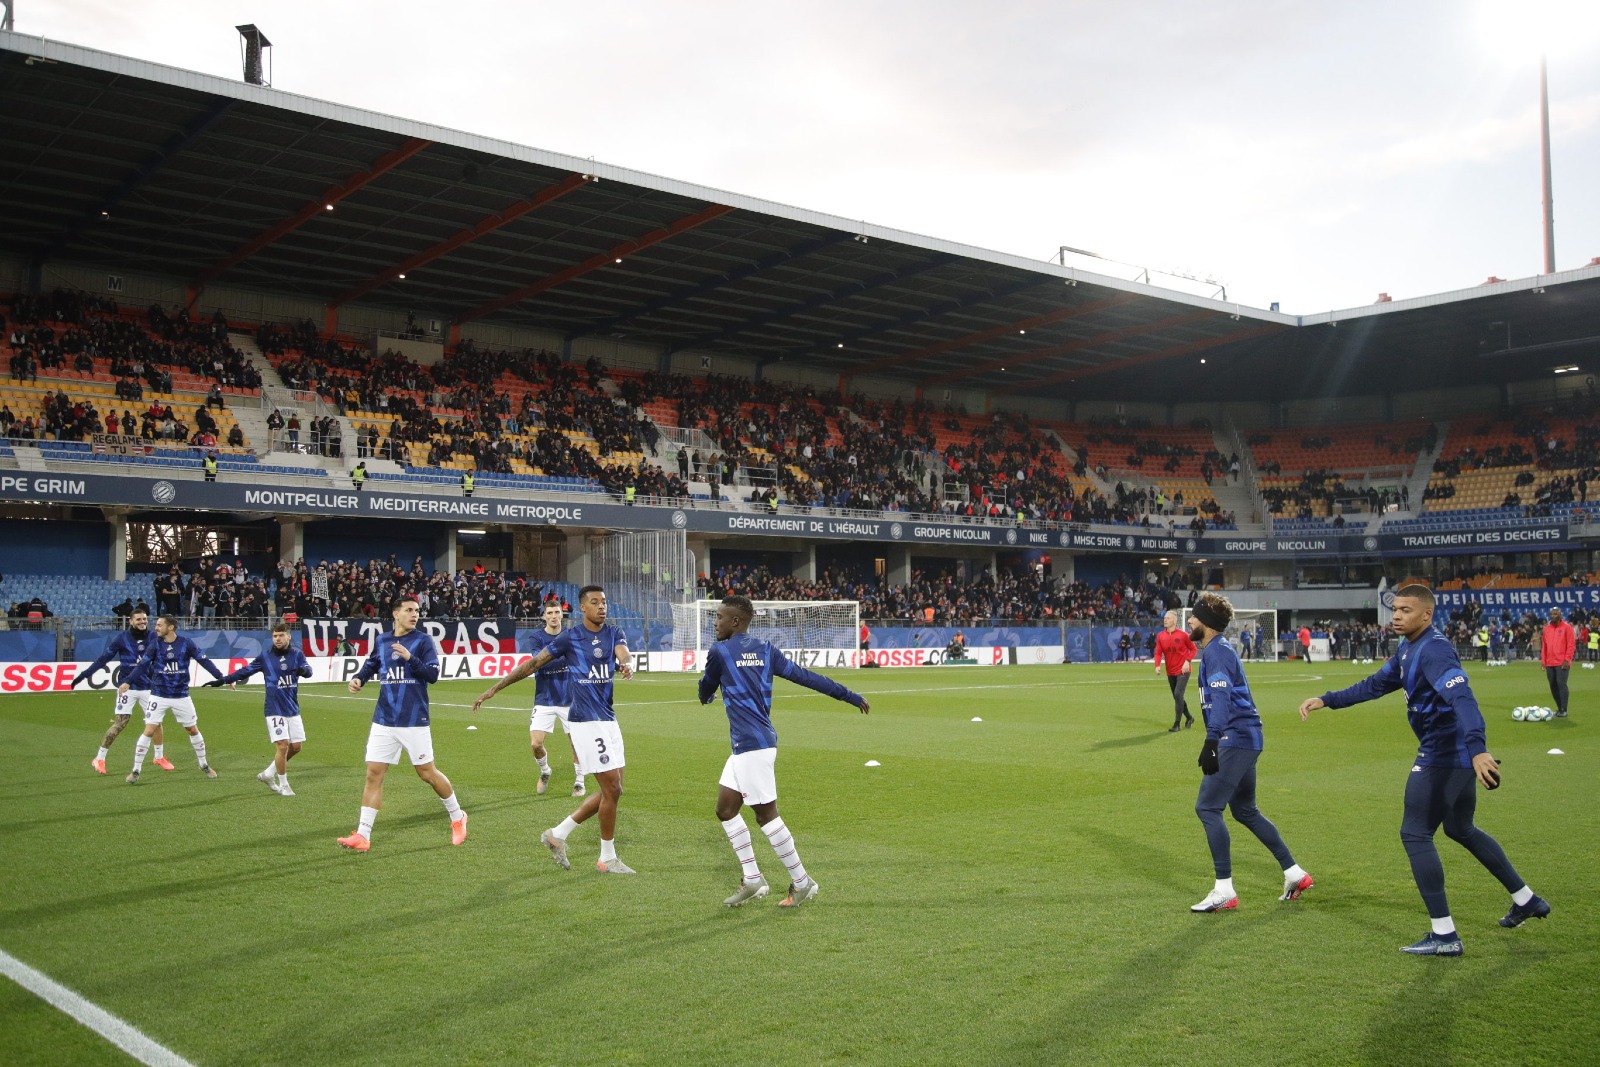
1312, 154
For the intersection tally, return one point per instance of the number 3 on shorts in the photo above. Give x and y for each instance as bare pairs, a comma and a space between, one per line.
602, 743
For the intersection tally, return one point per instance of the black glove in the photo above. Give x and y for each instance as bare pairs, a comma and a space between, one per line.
215, 683
1208, 757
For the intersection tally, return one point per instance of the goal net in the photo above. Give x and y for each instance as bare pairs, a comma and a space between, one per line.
831, 626
1253, 632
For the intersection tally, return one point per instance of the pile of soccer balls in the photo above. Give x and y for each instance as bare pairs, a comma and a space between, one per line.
1532, 714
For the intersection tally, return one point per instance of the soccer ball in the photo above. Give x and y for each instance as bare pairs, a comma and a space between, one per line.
1519, 714
1538, 714
1546, 714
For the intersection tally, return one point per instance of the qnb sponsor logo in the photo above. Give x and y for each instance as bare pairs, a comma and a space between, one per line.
1457, 680
1219, 685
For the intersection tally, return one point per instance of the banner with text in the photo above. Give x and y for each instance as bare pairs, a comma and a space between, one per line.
602, 511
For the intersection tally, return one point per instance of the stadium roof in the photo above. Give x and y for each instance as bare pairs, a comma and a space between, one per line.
127, 164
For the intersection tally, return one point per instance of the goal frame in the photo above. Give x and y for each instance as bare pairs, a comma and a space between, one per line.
703, 612
1243, 617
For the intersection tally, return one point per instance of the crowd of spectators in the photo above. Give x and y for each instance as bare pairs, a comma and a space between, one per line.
1322, 491
941, 598
147, 352
1561, 442
217, 589
813, 447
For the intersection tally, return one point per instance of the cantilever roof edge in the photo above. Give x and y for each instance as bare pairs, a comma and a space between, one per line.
267, 96
1454, 296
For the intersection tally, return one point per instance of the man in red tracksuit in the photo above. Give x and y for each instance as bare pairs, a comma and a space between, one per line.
1556, 650
1174, 650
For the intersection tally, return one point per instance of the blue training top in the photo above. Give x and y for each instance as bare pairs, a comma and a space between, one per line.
403, 692
1225, 701
282, 672
127, 648
592, 659
552, 687
1439, 703
743, 666
164, 667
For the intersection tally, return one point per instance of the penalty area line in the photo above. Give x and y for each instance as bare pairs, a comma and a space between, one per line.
90, 1015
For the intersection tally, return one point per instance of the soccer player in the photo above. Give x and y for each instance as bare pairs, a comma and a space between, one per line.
1174, 650
281, 669
594, 652
743, 667
126, 648
1228, 758
163, 669
406, 663
552, 700
1452, 758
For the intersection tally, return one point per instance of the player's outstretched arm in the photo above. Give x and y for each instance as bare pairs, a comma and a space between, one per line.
785, 667
518, 673
624, 662
1309, 706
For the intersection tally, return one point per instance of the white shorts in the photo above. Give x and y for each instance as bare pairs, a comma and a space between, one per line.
128, 702
155, 709
545, 717
599, 745
753, 775
385, 742
289, 728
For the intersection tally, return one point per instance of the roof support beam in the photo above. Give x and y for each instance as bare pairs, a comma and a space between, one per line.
332, 196
1066, 347
595, 262
711, 285
821, 300
176, 144
482, 228
1142, 358
1059, 315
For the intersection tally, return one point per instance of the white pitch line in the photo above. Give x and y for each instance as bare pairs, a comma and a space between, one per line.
95, 1018
788, 695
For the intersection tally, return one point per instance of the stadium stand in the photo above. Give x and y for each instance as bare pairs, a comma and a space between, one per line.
1538, 463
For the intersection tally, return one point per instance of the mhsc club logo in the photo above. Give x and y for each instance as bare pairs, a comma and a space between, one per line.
163, 492
679, 520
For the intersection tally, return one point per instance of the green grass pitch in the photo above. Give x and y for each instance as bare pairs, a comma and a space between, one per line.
1013, 891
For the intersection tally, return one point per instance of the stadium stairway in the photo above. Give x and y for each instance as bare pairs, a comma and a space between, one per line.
27, 457
1416, 482
1244, 497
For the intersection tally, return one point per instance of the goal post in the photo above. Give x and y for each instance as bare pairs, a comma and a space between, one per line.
832, 626
1243, 632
